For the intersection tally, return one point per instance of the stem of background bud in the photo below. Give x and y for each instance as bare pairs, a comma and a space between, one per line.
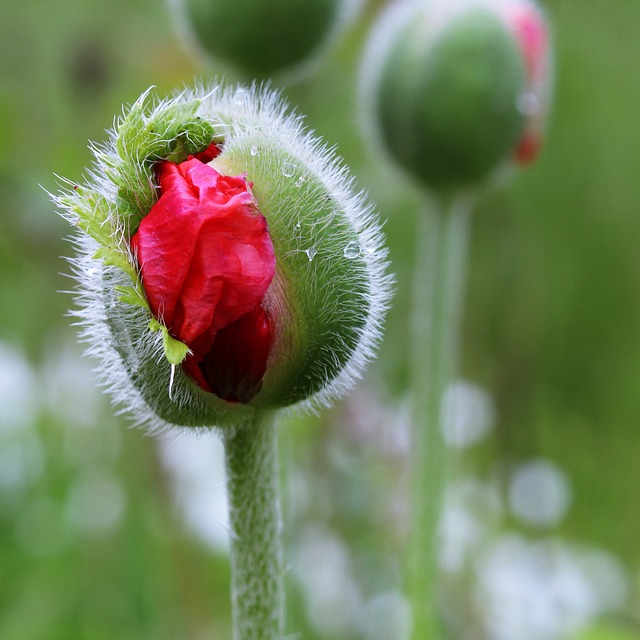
257, 568
439, 269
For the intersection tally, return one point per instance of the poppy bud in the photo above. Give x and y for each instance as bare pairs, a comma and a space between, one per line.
225, 264
454, 89
262, 38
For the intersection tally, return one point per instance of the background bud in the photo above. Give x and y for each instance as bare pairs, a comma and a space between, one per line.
262, 38
325, 302
453, 88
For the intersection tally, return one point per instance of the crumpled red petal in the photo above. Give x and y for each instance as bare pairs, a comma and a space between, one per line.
236, 363
204, 251
211, 152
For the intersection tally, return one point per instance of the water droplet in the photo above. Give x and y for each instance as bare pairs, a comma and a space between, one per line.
298, 225
352, 250
288, 169
311, 252
300, 181
254, 150
528, 104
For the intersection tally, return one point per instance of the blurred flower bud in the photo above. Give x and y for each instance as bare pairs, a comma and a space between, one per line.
453, 88
225, 264
262, 38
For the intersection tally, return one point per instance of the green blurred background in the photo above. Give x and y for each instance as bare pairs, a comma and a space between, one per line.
106, 533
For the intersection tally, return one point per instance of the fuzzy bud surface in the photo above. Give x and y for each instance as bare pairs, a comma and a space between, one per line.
225, 263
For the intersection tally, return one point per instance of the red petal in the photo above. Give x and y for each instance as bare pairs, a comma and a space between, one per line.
531, 32
234, 367
211, 152
528, 148
205, 253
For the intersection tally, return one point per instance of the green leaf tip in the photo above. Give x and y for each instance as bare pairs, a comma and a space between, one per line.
174, 350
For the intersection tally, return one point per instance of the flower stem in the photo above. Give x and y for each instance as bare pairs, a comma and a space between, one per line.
439, 279
257, 592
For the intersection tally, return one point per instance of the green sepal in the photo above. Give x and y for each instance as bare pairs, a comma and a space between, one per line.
114, 258
325, 292
131, 295
92, 211
173, 133
94, 216
174, 350
140, 137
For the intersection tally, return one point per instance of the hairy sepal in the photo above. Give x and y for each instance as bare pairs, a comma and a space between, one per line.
330, 289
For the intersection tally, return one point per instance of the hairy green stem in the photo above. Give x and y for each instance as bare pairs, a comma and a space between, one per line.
439, 278
257, 591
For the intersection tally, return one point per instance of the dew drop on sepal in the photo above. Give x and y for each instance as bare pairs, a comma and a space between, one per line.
288, 169
352, 250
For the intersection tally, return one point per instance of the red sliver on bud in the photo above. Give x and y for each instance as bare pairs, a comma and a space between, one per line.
211, 152
531, 32
528, 148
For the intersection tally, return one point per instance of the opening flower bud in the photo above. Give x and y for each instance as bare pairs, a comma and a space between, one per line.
227, 269
454, 89
262, 38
